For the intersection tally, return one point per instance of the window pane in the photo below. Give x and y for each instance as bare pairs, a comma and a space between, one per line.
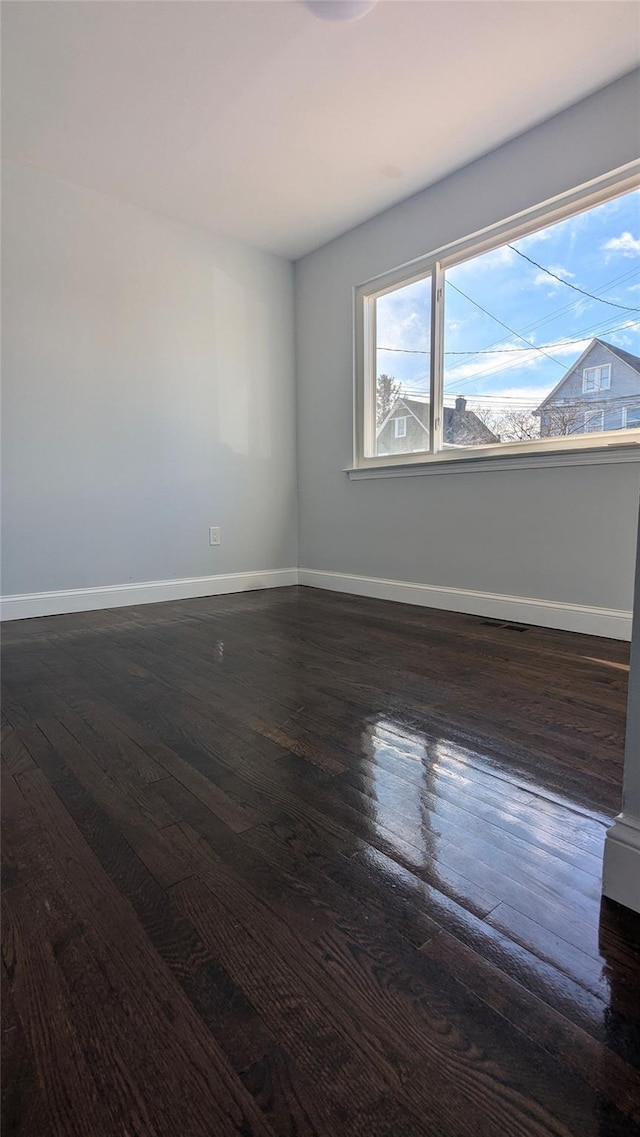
593, 421
403, 345
542, 335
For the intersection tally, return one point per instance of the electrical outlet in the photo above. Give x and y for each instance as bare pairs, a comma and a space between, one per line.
215, 536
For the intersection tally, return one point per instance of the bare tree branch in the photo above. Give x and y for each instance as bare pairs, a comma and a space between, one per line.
388, 389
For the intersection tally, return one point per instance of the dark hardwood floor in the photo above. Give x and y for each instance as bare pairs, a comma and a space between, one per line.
297, 863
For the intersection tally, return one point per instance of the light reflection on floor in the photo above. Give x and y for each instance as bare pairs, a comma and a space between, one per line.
437, 809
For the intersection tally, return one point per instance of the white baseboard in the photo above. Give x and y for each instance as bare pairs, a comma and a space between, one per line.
613, 623
26, 605
621, 869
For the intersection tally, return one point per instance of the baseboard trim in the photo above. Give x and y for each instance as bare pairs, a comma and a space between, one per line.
28, 605
609, 622
612, 623
621, 868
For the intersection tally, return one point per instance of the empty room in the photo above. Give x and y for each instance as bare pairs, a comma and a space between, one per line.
320, 498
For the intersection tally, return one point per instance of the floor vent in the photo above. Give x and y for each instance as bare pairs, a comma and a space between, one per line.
508, 627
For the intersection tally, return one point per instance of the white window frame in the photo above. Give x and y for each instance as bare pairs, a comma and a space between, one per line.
591, 416
547, 451
601, 373
398, 433
625, 413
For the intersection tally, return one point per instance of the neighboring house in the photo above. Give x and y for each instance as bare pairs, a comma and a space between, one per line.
601, 391
406, 427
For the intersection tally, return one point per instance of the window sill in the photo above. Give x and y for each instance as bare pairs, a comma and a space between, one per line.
586, 456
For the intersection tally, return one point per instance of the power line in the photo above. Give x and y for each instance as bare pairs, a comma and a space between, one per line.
502, 350
419, 351
575, 287
556, 313
465, 380
502, 324
512, 331
520, 403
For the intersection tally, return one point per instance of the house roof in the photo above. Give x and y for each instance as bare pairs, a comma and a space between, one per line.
626, 357
455, 421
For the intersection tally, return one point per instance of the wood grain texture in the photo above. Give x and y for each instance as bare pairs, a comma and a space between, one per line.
312, 865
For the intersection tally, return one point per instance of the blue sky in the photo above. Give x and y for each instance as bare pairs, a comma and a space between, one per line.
598, 251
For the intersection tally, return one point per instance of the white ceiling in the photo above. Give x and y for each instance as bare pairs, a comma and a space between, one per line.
257, 121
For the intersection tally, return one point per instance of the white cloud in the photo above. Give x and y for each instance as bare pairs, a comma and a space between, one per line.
484, 367
491, 363
625, 335
629, 324
543, 278
408, 330
574, 347
495, 258
626, 244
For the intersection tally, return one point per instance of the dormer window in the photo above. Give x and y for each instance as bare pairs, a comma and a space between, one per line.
400, 426
596, 378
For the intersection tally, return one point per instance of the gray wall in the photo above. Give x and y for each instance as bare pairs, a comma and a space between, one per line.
559, 534
148, 393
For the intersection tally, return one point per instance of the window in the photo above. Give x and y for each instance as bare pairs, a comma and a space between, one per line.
593, 420
596, 378
497, 344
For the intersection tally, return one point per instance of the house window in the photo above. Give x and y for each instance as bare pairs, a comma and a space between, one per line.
596, 378
494, 344
593, 421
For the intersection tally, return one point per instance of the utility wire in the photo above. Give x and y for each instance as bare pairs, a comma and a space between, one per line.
556, 313
530, 346
502, 324
502, 350
591, 331
453, 381
518, 403
575, 287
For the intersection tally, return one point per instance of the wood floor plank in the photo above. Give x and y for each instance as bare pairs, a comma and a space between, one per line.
568, 1044
24, 1111
24, 854
136, 1015
360, 889
365, 995
70, 1093
50, 740
594, 1012
313, 865
248, 1045
14, 754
